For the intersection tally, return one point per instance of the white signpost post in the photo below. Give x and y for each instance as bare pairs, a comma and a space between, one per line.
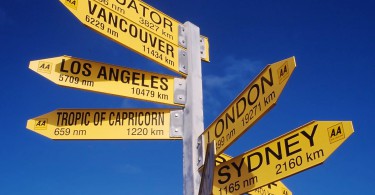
193, 113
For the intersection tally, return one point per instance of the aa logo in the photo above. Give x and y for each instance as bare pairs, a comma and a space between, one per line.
285, 191
336, 133
72, 3
283, 72
41, 124
45, 67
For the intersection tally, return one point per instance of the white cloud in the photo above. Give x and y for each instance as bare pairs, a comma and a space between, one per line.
129, 169
231, 70
225, 81
222, 82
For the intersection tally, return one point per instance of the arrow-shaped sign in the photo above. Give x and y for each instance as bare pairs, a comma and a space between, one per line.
95, 15
255, 101
152, 20
149, 18
109, 79
275, 188
109, 124
296, 151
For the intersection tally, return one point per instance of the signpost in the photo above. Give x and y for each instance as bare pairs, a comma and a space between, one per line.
254, 102
111, 24
193, 114
291, 153
115, 80
106, 124
180, 47
275, 188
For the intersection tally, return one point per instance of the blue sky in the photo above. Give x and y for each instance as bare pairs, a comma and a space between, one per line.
333, 42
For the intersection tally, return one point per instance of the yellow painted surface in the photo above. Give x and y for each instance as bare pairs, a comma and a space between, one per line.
274, 188
103, 124
252, 103
148, 17
206, 57
113, 25
104, 78
291, 153
145, 16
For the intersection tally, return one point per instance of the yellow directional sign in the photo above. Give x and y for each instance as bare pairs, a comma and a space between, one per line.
205, 49
111, 23
106, 124
151, 18
115, 80
275, 188
146, 17
296, 151
256, 100
155, 21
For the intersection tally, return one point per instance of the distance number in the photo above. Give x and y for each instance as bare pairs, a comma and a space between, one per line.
220, 142
144, 92
230, 188
148, 24
95, 22
137, 131
62, 131
69, 79
251, 114
291, 164
152, 52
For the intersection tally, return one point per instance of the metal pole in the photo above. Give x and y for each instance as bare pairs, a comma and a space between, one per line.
193, 112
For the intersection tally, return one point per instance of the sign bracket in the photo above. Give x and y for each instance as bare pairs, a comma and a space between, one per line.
201, 151
177, 123
183, 61
179, 91
182, 36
